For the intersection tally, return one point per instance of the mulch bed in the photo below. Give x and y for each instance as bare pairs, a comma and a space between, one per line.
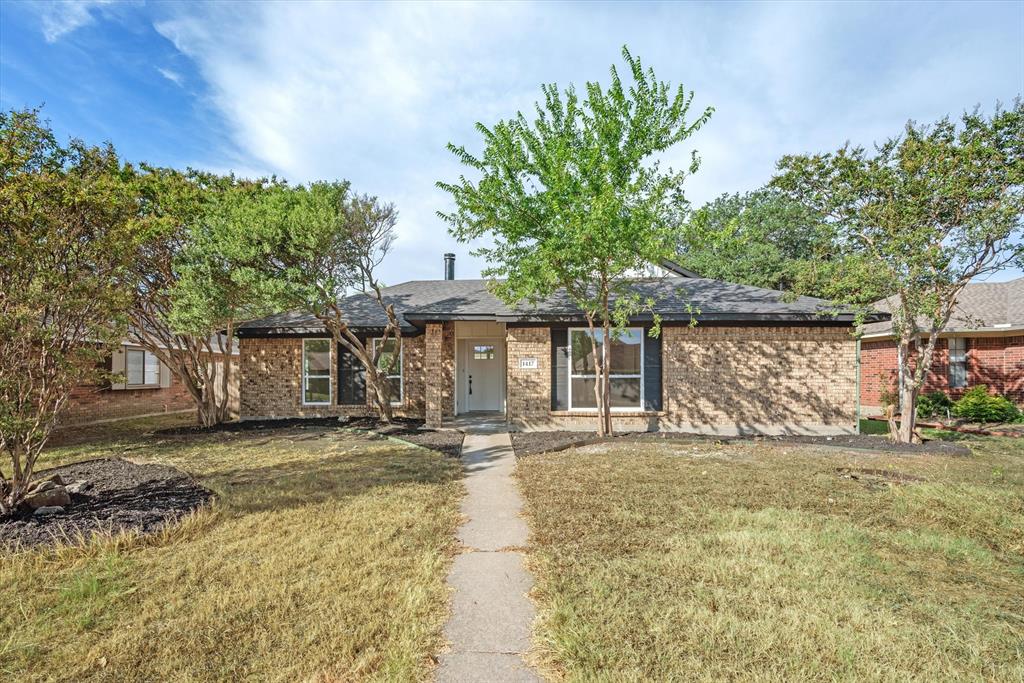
118, 496
448, 442
532, 443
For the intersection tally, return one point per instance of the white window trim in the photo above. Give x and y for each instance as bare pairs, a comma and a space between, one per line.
144, 384
614, 409
330, 381
400, 376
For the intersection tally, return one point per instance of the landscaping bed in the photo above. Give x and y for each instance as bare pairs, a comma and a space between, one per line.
532, 443
107, 495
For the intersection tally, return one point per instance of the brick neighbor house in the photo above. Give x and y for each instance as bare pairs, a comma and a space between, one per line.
984, 344
753, 363
149, 388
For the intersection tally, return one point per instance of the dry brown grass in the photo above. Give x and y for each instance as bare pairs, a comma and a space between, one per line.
671, 561
323, 559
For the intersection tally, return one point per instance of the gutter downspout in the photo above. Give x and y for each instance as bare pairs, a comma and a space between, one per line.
858, 385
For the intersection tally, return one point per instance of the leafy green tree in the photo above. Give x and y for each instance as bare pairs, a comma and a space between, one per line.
761, 238
576, 200
193, 281
918, 219
67, 243
322, 244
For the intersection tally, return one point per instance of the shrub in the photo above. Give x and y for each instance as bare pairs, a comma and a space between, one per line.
978, 405
934, 403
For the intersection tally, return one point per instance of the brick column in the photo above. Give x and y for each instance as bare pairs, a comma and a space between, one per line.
439, 367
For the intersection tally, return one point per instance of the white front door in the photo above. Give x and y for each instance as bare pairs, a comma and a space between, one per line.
484, 375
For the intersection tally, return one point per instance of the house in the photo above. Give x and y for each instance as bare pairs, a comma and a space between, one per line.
149, 388
983, 344
753, 363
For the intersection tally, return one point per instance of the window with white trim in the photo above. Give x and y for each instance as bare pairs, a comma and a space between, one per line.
957, 362
141, 368
316, 372
625, 369
387, 356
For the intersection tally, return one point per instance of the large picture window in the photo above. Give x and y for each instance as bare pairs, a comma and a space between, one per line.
957, 362
394, 376
316, 371
142, 368
625, 371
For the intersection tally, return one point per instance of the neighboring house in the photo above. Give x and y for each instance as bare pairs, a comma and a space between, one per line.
983, 344
753, 363
149, 388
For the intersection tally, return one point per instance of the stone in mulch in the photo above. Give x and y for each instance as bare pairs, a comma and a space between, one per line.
109, 495
532, 443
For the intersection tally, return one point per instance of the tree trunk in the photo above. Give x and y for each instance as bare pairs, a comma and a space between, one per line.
598, 365
908, 414
606, 387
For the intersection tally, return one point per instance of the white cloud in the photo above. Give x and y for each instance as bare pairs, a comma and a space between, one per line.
372, 93
171, 75
64, 16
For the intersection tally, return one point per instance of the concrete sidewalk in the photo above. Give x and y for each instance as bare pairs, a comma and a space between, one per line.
492, 617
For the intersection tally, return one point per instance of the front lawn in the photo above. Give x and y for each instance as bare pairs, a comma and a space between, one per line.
323, 558
693, 560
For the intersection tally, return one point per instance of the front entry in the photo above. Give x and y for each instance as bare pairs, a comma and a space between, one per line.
481, 375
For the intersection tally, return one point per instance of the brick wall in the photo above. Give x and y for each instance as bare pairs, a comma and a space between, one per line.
439, 366
100, 403
724, 380
271, 380
97, 403
529, 390
994, 361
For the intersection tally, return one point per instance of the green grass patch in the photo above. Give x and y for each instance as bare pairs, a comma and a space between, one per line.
874, 427
673, 561
323, 558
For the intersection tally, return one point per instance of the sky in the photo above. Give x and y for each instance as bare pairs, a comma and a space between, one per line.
372, 93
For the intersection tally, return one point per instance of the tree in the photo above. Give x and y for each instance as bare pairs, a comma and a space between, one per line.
67, 240
322, 248
193, 286
919, 218
576, 201
761, 238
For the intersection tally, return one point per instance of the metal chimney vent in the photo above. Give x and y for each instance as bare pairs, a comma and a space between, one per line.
449, 266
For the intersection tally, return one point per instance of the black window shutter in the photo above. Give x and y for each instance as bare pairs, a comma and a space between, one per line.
351, 378
559, 369
652, 372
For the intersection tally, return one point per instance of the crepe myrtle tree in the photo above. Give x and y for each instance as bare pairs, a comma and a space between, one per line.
576, 201
67, 242
322, 243
920, 217
193, 286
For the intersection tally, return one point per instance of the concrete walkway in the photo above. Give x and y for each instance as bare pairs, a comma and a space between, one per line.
492, 617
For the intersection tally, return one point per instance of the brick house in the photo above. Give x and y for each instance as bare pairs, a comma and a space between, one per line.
149, 388
984, 344
753, 363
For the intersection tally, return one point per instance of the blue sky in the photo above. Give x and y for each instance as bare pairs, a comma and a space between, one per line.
372, 92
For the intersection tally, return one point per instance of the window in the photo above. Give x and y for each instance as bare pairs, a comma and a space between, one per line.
384, 361
142, 368
957, 362
316, 371
483, 352
625, 372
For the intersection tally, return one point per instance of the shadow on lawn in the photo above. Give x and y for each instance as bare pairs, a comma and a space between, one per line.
307, 478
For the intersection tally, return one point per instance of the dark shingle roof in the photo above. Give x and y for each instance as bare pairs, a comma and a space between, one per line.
981, 305
422, 300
